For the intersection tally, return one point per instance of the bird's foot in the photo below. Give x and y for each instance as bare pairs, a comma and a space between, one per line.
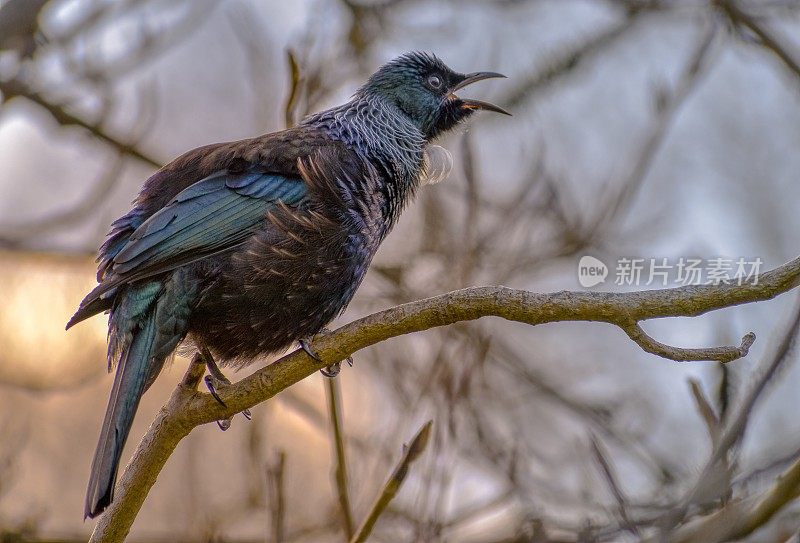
329, 371
216, 380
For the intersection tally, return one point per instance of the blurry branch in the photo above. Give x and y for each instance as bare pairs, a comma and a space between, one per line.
766, 37
706, 411
89, 68
367, 21
187, 408
472, 216
277, 498
15, 436
472, 511
410, 454
253, 38
340, 475
290, 109
12, 234
734, 429
521, 206
150, 40
598, 418
739, 518
667, 105
304, 408
19, 25
317, 418
769, 469
14, 88
568, 62
15, 235
616, 489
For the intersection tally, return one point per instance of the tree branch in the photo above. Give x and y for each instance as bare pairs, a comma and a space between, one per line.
188, 408
340, 472
741, 517
410, 453
768, 39
718, 354
12, 88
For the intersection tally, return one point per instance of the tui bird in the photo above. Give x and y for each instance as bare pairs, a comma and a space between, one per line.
249, 246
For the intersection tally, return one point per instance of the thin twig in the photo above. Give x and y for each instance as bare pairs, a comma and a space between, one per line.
392, 486
616, 489
472, 216
737, 425
277, 504
718, 354
289, 110
340, 473
706, 411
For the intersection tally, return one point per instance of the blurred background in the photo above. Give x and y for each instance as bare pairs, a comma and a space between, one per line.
641, 129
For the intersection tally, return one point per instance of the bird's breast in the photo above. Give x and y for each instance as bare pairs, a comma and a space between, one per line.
286, 283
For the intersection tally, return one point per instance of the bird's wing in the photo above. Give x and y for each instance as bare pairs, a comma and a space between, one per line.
210, 216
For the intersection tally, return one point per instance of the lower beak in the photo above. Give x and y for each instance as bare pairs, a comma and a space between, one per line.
468, 103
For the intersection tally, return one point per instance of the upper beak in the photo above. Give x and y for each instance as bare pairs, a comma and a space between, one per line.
478, 104
474, 77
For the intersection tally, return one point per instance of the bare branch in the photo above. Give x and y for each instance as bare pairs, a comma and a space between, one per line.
188, 408
392, 486
718, 354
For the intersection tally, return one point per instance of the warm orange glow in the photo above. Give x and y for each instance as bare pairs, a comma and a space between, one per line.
39, 294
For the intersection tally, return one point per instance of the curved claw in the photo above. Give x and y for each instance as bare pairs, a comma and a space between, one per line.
213, 383
212, 389
332, 370
306, 346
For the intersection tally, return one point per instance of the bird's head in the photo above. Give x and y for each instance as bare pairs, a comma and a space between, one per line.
423, 88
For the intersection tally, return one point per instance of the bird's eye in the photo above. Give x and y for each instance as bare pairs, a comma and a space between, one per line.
435, 82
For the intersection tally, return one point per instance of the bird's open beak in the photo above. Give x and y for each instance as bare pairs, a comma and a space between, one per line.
468, 103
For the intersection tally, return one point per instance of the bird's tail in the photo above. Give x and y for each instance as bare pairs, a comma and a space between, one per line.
147, 322
133, 371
